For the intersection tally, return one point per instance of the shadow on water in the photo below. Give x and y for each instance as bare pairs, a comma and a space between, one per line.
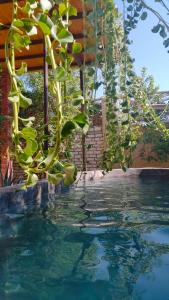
101, 242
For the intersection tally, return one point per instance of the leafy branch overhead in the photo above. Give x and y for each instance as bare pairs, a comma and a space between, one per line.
138, 10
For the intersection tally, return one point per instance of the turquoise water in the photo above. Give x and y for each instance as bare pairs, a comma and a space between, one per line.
103, 242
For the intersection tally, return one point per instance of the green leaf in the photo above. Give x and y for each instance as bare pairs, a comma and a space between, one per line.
55, 178
69, 168
72, 11
21, 41
125, 104
81, 119
33, 3
166, 43
32, 179
49, 158
18, 23
70, 174
156, 28
65, 36
76, 48
31, 147
24, 101
91, 71
45, 23
86, 129
32, 31
27, 24
125, 122
53, 32
130, 8
27, 122
24, 159
29, 133
144, 15
62, 9
60, 74
22, 70
48, 60
79, 100
163, 32
13, 97
27, 8
67, 129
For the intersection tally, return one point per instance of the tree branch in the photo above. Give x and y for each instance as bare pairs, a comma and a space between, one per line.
165, 6
161, 19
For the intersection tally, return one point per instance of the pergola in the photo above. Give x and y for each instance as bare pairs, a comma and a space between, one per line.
35, 56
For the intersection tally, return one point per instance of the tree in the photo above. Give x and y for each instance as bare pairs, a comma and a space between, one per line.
147, 83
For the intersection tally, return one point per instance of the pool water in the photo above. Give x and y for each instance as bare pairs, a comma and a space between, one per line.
105, 241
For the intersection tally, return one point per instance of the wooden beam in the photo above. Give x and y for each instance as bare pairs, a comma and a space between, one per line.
74, 64
40, 41
78, 17
32, 56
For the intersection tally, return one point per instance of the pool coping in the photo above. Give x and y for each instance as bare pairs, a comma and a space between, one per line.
16, 201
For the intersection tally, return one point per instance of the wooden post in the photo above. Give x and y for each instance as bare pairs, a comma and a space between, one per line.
46, 109
104, 123
83, 135
5, 123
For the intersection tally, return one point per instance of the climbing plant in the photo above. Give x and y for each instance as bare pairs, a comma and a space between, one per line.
53, 21
127, 100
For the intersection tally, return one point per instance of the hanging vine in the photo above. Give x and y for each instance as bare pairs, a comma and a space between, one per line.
127, 104
53, 22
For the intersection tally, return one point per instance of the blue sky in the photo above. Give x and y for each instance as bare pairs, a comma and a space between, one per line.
148, 49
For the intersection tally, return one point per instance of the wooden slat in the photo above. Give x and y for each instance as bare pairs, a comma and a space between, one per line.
35, 53
36, 62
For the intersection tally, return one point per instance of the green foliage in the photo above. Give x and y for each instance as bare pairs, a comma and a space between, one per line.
128, 96
146, 82
160, 145
122, 130
27, 140
138, 10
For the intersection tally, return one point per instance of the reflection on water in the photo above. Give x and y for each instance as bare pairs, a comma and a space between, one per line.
102, 242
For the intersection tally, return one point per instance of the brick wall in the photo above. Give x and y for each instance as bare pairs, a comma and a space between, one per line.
94, 149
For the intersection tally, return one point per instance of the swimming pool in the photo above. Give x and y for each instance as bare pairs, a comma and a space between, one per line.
105, 241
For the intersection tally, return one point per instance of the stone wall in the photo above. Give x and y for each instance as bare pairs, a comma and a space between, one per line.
94, 149
15, 200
